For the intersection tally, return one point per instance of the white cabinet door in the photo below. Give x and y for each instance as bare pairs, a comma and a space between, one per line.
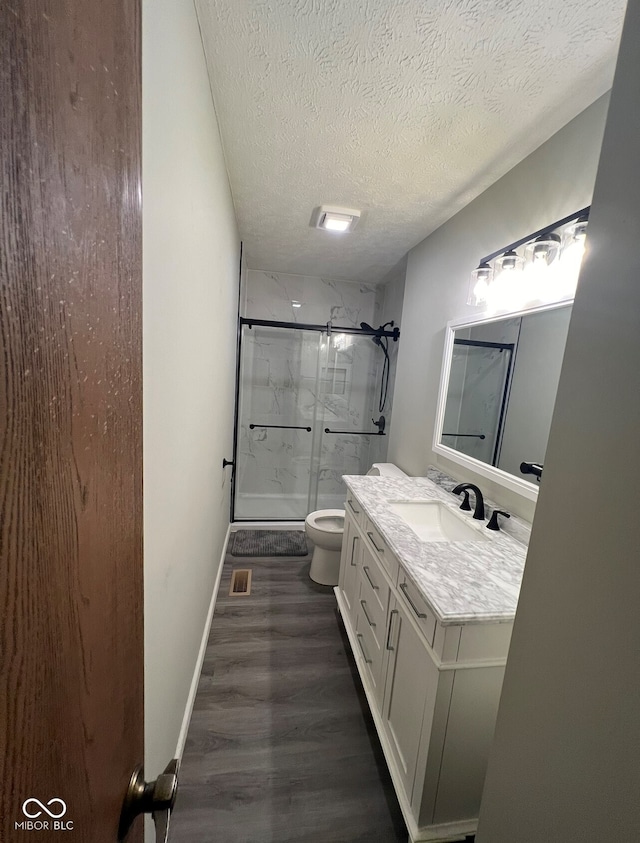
349, 562
410, 689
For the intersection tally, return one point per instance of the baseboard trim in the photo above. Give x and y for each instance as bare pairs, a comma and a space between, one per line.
193, 690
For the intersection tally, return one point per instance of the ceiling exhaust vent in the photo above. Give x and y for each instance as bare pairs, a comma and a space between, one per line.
332, 218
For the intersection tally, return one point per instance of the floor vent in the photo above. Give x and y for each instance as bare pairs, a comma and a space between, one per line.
240, 582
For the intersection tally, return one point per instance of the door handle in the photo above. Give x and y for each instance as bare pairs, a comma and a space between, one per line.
156, 798
353, 552
404, 588
365, 568
373, 542
364, 652
388, 644
280, 427
363, 603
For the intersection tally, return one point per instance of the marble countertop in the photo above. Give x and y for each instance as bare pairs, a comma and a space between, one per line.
472, 582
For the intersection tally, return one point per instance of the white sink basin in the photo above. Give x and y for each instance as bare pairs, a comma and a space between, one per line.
432, 521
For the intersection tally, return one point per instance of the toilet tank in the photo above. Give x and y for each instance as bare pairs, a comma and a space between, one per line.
385, 469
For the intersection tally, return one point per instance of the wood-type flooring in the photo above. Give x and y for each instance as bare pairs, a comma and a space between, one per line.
281, 746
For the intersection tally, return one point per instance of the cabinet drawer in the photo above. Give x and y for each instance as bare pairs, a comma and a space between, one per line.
354, 509
371, 653
374, 584
373, 604
380, 546
417, 607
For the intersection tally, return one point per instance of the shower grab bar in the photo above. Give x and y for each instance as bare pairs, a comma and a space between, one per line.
357, 432
500, 346
281, 427
467, 435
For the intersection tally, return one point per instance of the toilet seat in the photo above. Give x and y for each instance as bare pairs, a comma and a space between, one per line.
327, 520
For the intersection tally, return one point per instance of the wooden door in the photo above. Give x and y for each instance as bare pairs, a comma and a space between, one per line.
71, 661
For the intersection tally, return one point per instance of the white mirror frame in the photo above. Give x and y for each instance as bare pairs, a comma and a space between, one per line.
503, 478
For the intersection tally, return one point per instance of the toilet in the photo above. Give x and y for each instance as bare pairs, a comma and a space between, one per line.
325, 528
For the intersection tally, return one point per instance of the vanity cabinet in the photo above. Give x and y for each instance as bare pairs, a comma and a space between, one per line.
348, 581
433, 689
411, 684
371, 620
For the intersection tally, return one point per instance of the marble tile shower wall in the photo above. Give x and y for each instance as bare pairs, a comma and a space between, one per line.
269, 295
271, 463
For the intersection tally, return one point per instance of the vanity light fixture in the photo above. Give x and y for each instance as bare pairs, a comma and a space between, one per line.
333, 218
576, 233
509, 262
481, 278
544, 249
504, 280
296, 304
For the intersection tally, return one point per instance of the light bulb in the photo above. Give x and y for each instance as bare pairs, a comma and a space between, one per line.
577, 231
481, 278
509, 262
544, 249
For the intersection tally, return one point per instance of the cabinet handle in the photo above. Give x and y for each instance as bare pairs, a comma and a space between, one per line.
405, 590
363, 603
350, 502
353, 552
365, 568
392, 613
373, 542
364, 655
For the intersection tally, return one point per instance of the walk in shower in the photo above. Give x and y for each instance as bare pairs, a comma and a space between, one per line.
310, 408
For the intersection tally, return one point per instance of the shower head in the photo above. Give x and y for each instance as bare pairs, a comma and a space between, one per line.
384, 382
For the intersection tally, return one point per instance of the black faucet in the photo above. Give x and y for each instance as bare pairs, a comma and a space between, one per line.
493, 521
479, 510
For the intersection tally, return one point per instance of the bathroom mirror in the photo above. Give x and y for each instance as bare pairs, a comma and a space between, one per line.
498, 388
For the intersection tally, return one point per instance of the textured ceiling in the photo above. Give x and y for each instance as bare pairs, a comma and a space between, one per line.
407, 109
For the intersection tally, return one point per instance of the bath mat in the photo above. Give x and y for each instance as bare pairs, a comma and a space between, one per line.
269, 543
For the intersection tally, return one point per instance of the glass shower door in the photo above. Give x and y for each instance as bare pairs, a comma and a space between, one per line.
346, 407
278, 391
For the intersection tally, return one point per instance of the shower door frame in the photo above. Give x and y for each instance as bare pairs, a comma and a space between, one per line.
327, 328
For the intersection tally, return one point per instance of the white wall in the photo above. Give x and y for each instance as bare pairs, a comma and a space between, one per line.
564, 765
191, 259
552, 182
